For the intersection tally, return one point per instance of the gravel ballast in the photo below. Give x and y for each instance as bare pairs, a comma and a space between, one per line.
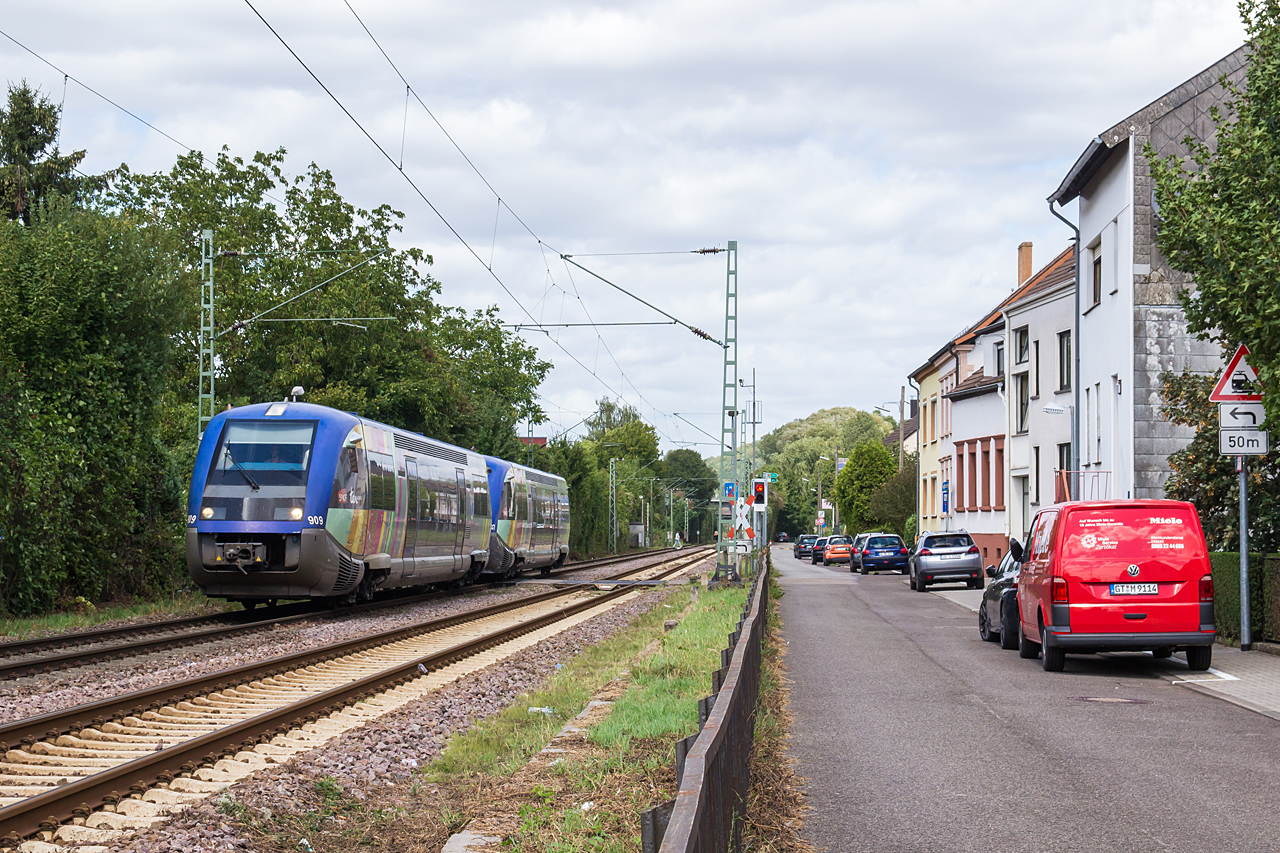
374, 763
33, 695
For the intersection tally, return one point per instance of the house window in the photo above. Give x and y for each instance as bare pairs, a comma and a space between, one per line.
1035, 453
933, 420
998, 475
1035, 349
1020, 385
1064, 361
1097, 275
1064, 457
986, 475
1000, 359
1021, 346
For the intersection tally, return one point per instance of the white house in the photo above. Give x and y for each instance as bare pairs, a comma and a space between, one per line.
1130, 327
1038, 337
978, 423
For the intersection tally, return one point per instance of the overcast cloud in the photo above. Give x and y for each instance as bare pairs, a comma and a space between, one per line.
877, 162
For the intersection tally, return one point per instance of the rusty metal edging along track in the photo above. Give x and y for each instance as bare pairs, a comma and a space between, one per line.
31, 815
71, 659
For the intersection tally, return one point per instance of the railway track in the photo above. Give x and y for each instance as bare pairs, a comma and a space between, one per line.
70, 775
64, 651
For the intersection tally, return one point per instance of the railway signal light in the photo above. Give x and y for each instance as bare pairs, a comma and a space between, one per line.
757, 491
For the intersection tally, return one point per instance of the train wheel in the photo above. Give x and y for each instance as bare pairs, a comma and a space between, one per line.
249, 605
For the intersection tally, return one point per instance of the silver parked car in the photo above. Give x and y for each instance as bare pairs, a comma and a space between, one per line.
945, 557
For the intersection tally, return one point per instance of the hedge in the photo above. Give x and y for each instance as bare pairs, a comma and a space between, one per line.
1264, 595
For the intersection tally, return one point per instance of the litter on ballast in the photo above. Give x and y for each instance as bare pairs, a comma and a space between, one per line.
586, 807
547, 711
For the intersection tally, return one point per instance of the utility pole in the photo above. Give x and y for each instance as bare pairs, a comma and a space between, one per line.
725, 566
205, 408
613, 505
902, 402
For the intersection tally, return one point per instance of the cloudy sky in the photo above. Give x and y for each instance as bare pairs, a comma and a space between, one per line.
877, 162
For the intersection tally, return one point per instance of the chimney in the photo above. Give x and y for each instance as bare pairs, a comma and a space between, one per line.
1024, 263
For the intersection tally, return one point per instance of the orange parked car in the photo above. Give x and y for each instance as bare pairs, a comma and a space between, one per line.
839, 550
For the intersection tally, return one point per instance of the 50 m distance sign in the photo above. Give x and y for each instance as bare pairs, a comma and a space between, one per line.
1243, 442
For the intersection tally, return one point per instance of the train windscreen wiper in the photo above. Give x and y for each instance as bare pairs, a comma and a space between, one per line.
253, 484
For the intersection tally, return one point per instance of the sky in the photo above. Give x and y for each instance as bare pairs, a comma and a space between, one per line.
878, 163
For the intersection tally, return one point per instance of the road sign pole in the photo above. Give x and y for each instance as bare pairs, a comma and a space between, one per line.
1246, 638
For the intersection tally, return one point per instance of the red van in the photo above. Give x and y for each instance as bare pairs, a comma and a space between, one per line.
1112, 576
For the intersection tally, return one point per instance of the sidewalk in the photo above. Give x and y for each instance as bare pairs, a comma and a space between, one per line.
1248, 679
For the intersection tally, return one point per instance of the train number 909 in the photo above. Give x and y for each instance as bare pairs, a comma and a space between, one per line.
315, 520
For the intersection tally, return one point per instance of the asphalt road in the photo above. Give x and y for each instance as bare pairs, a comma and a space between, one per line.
915, 735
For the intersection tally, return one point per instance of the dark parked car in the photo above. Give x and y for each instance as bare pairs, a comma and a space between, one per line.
855, 556
946, 557
803, 549
998, 613
782, 537
819, 546
883, 552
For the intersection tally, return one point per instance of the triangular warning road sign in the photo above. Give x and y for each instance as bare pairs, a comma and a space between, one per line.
1238, 381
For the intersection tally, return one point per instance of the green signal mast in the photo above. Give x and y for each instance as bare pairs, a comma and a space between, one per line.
726, 546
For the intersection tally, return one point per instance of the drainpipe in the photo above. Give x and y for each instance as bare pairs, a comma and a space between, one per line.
919, 511
1075, 358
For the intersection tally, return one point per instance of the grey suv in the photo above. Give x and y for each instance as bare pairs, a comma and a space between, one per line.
945, 557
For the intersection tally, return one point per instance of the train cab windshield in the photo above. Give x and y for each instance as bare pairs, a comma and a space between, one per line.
259, 472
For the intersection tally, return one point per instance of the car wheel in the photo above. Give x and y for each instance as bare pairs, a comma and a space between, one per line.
1054, 659
1008, 626
1199, 657
984, 625
975, 583
1162, 653
912, 580
1027, 649
920, 583
864, 570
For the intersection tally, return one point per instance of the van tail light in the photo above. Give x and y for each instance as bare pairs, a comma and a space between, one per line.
925, 552
902, 551
973, 549
1206, 588
1060, 591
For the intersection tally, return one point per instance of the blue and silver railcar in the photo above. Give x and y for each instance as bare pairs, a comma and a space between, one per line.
293, 500
530, 512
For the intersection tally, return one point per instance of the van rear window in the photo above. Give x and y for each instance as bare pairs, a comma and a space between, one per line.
1132, 533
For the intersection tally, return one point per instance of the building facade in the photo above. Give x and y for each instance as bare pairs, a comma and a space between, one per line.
1130, 326
1039, 327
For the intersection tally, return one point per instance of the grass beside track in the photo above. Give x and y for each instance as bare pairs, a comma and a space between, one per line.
84, 614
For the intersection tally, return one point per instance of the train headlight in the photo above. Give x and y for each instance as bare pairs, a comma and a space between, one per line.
206, 513
296, 513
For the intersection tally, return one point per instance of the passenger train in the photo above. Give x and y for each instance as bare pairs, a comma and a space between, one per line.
292, 500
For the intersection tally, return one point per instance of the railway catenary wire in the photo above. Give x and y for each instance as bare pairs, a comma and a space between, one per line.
62, 651
174, 735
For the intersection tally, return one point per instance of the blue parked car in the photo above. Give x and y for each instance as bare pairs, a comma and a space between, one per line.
883, 552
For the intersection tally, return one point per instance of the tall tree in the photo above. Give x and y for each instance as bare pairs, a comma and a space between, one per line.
31, 168
454, 375
869, 467
89, 499
1218, 220
687, 465
1208, 479
895, 502
609, 415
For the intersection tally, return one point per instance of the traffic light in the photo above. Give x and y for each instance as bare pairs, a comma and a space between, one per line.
757, 491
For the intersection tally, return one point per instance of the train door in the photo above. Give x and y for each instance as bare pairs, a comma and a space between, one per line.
411, 517
460, 537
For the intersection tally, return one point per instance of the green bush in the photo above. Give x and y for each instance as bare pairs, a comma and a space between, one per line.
1226, 594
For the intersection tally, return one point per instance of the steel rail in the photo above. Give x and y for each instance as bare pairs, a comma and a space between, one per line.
48, 810
239, 621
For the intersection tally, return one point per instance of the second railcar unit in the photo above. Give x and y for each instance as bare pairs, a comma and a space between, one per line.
530, 518
293, 500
